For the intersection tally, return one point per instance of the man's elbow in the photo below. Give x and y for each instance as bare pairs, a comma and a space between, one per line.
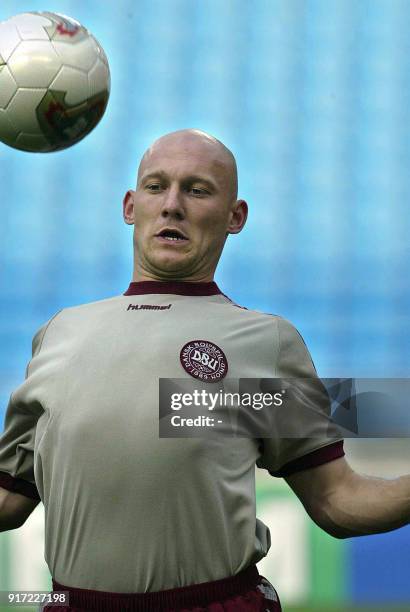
8, 523
337, 532
326, 519
14, 509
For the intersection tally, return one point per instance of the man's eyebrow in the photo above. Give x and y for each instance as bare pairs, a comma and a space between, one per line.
192, 178
196, 178
159, 174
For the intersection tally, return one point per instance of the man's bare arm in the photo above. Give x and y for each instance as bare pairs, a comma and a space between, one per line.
346, 504
14, 509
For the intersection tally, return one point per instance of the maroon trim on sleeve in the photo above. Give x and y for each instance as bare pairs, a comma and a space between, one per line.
18, 485
313, 459
173, 287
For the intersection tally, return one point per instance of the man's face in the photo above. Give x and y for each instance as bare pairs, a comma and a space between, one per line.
182, 209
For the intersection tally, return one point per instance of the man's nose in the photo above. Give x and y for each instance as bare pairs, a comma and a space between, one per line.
172, 203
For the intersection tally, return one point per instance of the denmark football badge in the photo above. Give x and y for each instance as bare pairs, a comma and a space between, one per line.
204, 360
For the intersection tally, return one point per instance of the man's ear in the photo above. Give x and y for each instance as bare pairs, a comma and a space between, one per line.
128, 207
238, 218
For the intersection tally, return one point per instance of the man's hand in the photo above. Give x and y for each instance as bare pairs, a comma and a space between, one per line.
346, 504
14, 509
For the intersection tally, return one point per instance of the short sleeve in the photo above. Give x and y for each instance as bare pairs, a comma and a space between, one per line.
17, 440
282, 456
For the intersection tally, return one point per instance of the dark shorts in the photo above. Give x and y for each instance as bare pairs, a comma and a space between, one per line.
245, 592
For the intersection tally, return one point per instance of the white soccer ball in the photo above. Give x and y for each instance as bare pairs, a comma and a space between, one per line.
54, 82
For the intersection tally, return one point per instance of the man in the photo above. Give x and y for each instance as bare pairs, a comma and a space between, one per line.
138, 522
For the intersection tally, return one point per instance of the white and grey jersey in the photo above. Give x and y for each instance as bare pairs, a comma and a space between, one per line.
126, 510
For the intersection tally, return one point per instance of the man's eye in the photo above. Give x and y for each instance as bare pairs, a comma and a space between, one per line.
154, 187
197, 191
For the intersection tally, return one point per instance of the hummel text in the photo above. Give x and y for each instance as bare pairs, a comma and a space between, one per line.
147, 307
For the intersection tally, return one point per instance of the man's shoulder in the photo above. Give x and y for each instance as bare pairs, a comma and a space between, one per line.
284, 328
87, 308
252, 312
80, 311
103, 304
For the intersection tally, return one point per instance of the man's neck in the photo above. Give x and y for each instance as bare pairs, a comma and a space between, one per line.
141, 277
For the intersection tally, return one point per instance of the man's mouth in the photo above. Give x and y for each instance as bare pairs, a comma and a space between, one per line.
172, 235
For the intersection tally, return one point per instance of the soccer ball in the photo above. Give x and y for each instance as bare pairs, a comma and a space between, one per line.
54, 82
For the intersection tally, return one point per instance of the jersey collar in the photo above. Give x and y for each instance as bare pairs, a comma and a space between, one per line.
173, 287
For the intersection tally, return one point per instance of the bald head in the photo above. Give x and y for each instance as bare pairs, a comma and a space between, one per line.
184, 207
196, 143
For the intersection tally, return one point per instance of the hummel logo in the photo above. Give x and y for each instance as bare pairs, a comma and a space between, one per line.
147, 307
